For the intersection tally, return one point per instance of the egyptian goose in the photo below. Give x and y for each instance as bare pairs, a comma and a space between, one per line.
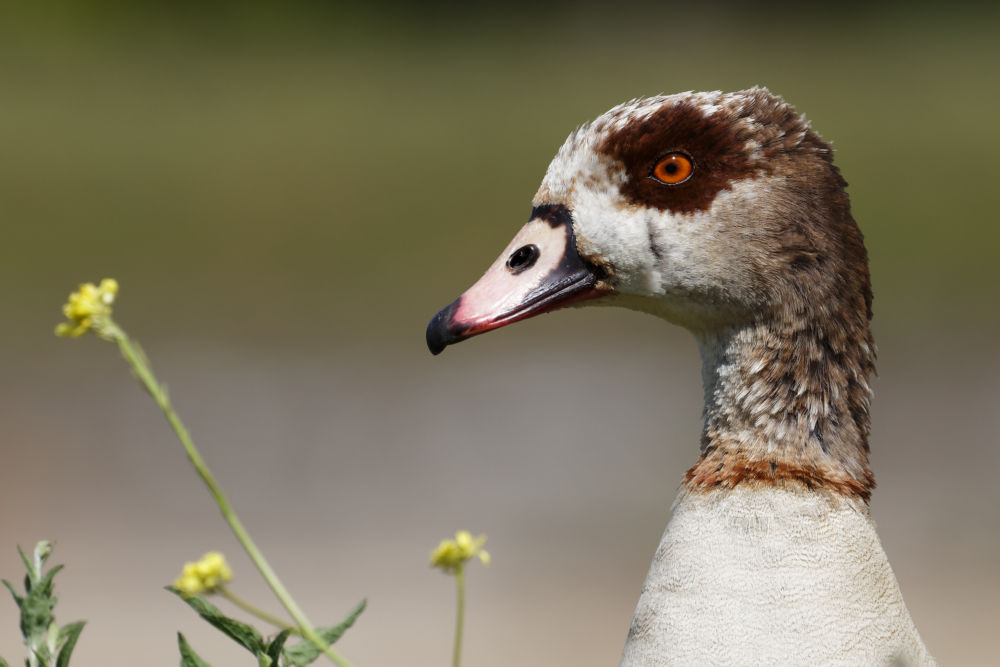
724, 213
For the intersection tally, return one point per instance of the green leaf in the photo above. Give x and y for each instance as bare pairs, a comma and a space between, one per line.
305, 652
28, 565
46, 581
188, 657
17, 598
264, 660
43, 658
3, 663
245, 635
68, 634
274, 649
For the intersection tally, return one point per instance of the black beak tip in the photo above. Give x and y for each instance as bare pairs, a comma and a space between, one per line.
436, 342
439, 333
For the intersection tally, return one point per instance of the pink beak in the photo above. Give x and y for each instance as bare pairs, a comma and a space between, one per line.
539, 271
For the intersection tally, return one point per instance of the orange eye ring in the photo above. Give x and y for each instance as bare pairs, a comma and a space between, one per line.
672, 169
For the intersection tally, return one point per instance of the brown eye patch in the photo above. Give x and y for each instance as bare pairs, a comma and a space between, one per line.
672, 169
683, 130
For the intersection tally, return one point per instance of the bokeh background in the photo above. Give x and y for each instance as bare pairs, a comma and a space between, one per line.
287, 192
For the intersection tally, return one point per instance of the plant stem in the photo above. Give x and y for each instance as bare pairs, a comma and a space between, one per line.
456, 659
139, 365
255, 610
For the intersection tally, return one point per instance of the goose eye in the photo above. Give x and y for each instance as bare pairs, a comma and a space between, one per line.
672, 169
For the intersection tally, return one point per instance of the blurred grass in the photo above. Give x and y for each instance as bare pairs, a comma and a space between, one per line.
333, 170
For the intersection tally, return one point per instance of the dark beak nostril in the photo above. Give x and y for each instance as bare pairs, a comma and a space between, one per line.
522, 258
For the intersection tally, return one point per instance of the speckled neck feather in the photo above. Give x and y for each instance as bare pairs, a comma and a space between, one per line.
786, 403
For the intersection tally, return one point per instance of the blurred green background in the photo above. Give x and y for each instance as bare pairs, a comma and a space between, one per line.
287, 193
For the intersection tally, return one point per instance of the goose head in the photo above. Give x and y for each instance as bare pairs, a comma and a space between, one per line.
706, 209
723, 213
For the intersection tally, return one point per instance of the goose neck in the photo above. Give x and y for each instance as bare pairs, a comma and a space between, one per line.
787, 404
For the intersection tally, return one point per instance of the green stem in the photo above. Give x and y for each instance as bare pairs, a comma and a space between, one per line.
255, 610
141, 368
456, 659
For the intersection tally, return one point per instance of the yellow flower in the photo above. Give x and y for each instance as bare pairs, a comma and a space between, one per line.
204, 576
450, 555
90, 308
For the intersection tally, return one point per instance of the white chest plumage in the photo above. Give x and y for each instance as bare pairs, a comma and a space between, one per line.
770, 576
